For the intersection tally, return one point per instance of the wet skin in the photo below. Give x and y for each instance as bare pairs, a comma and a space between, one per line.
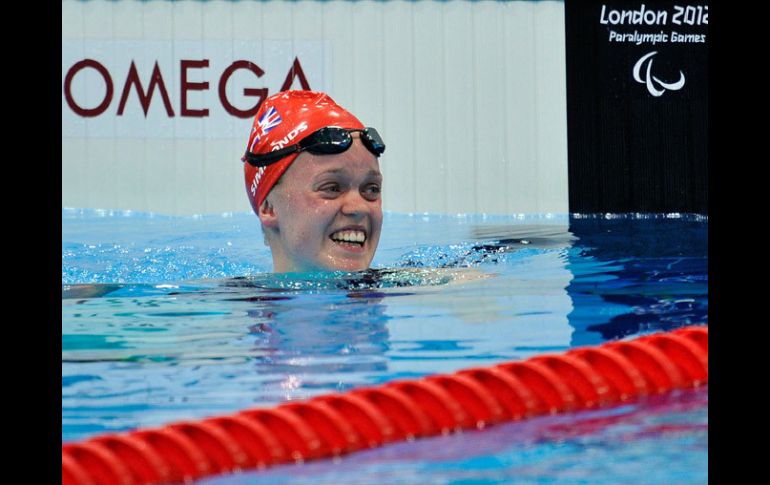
320, 200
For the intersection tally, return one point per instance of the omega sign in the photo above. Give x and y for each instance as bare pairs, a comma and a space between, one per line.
180, 88
157, 84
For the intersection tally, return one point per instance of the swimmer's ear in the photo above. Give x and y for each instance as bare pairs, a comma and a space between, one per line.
267, 215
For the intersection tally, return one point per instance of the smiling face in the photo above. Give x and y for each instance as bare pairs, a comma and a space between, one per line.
326, 212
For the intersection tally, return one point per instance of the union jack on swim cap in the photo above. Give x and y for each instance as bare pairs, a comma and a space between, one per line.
284, 119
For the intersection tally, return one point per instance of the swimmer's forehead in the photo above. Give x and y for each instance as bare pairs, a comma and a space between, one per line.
345, 170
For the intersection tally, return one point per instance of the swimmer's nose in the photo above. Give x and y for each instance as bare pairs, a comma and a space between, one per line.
354, 203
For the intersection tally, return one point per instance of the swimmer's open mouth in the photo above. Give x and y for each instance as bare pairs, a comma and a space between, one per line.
349, 236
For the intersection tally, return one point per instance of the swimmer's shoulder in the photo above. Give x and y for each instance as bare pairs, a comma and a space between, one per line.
437, 275
88, 290
370, 278
465, 275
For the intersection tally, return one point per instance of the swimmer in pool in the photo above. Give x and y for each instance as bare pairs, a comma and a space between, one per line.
313, 178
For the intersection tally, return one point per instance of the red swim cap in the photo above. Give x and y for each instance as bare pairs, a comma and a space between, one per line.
284, 119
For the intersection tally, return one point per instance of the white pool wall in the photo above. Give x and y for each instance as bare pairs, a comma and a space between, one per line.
470, 98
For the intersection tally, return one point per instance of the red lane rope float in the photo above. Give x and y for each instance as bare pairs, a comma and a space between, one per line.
339, 423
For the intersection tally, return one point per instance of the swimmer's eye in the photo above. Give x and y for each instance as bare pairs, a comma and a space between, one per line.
372, 192
332, 188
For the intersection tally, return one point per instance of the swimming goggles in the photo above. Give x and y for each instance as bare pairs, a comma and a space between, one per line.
326, 141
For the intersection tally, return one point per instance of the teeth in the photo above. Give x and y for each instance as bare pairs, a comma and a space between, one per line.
349, 236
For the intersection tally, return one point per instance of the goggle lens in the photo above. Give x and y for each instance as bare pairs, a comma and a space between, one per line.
326, 141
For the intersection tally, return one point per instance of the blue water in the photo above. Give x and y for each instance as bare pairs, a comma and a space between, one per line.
170, 318
660, 440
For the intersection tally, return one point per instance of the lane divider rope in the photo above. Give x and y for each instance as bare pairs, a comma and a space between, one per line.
339, 423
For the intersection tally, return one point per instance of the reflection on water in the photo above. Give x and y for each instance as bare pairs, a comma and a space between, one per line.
142, 355
349, 339
131, 360
637, 275
662, 438
149, 341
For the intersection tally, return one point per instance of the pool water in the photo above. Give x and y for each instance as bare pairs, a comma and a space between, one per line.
181, 320
660, 440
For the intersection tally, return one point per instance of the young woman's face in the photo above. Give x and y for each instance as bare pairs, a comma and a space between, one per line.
327, 212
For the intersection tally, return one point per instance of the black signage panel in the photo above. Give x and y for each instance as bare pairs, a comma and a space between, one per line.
637, 106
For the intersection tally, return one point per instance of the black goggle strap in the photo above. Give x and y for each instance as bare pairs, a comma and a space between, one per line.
265, 159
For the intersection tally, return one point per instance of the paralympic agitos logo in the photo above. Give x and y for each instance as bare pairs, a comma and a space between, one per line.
655, 85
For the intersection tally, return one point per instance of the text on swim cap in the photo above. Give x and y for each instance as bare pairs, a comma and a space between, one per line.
255, 181
278, 144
